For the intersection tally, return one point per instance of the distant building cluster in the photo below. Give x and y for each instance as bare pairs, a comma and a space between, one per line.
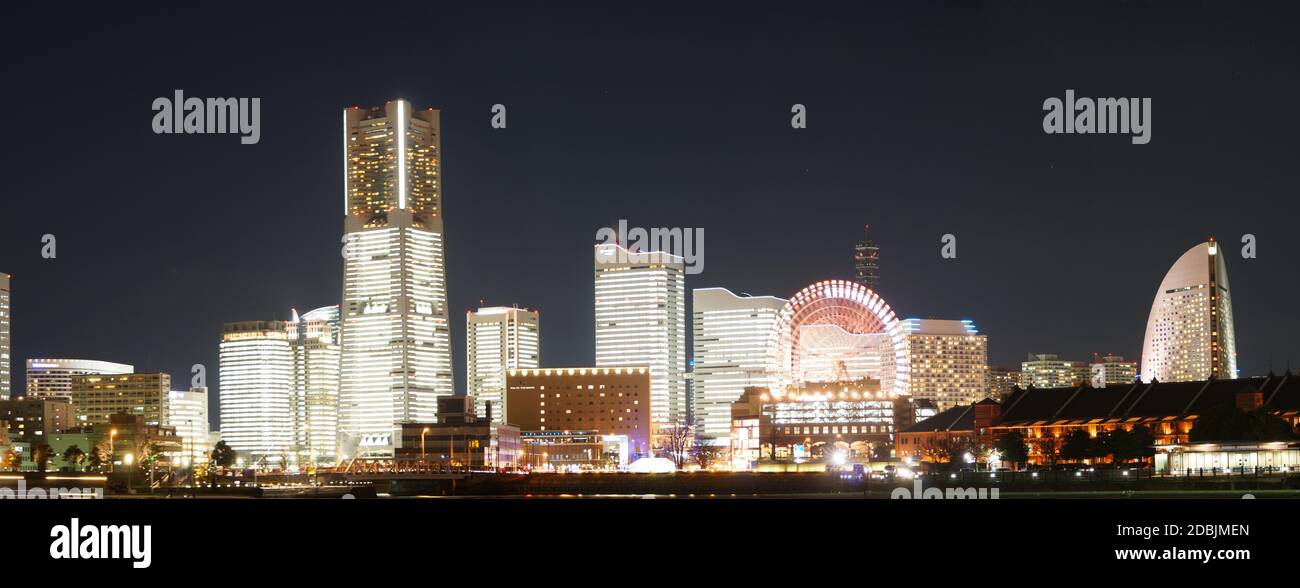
106, 408
1045, 370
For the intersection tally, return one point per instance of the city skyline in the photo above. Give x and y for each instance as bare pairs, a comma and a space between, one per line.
795, 260
187, 299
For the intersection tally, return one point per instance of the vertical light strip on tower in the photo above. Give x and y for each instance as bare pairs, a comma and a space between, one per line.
346, 167
401, 154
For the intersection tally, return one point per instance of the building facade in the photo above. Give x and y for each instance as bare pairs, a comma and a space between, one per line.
95, 398
641, 321
395, 333
50, 377
1112, 369
187, 414
1002, 381
498, 339
314, 400
461, 439
1045, 370
573, 451
817, 421
932, 439
1190, 333
949, 360
731, 335
608, 401
256, 379
33, 420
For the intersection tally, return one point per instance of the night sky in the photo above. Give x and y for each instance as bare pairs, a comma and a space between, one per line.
922, 121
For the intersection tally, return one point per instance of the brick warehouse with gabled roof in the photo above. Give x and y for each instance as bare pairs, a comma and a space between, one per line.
1169, 409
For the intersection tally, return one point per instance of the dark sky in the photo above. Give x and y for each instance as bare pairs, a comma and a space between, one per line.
922, 121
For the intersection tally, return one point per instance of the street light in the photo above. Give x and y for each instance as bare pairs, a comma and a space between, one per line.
422, 433
111, 464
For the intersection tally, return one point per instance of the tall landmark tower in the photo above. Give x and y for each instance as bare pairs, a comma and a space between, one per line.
395, 334
866, 261
1189, 331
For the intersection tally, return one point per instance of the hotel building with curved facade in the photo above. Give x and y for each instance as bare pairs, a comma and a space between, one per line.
1190, 333
51, 377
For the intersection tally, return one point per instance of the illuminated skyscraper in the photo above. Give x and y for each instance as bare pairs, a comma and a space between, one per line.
1189, 331
256, 389
47, 377
187, 412
498, 339
949, 360
866, 261
641, 321
313, 339
730, 340
6, 345
395, 335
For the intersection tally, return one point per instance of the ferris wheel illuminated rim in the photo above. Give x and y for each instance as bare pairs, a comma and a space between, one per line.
848, 305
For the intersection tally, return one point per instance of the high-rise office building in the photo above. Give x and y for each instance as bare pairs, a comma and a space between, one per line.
313, 341
1046, 370
187, 412
949, 361
97, 397
50, 377
498, 339
731, 335
6, 344
866, 261
641, 321
395, 334
1190, 334
256, 382
1002, 381
1112, 369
